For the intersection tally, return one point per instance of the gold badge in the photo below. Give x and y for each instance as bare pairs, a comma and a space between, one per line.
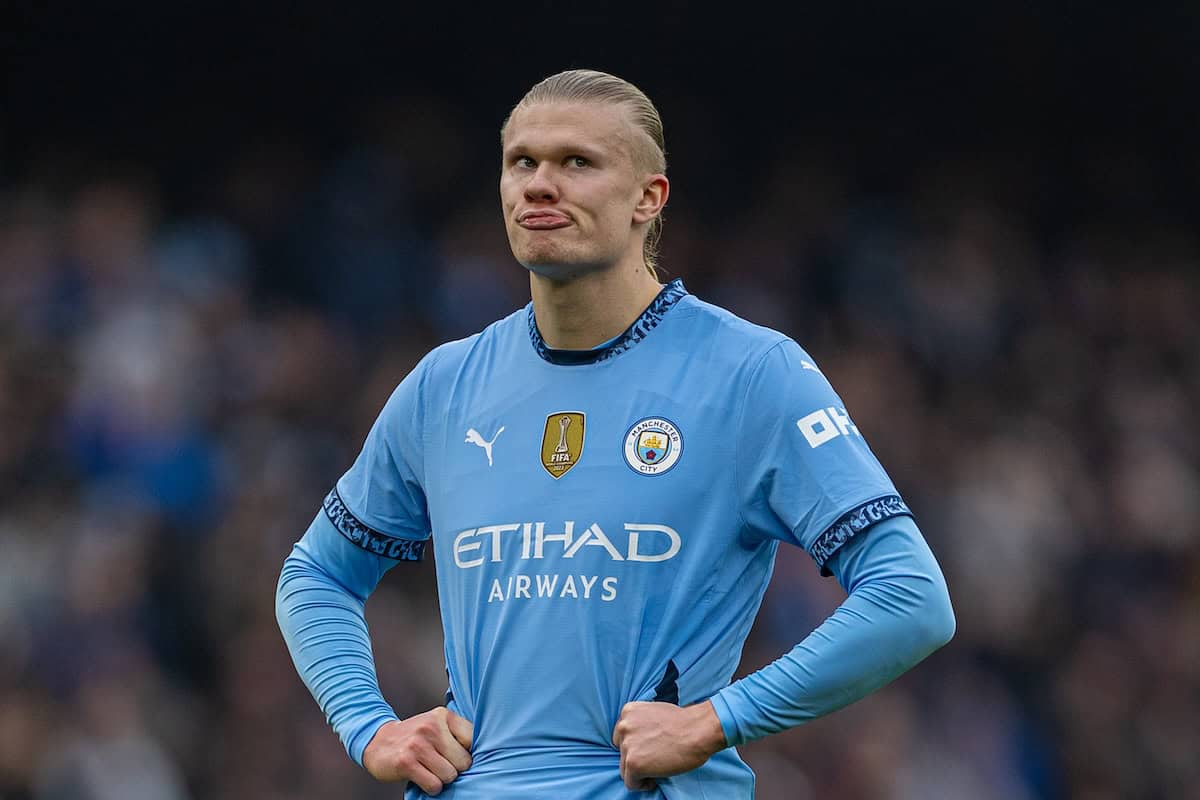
562, 443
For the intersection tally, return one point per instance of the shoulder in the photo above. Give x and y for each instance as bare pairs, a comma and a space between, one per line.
432, 381
734, 339
446, 361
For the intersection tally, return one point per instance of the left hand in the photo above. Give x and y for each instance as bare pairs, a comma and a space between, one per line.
658, 740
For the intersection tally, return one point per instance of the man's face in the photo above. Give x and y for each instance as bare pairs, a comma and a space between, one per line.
569, 187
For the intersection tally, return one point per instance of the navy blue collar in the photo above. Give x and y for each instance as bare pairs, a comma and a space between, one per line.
648, 321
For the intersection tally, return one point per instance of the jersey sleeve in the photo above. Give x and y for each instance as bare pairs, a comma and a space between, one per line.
898, 612
804, 472
375, 517
379, 503
319, 605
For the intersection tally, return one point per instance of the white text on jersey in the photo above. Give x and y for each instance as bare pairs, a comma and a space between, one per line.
824, 424
530, 540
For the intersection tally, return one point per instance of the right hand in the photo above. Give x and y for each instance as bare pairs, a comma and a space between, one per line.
429, 749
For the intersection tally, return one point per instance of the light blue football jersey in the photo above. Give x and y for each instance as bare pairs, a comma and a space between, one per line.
604, 525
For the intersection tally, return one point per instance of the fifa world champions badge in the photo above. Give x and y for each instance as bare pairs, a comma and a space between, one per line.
562, 442
653, 446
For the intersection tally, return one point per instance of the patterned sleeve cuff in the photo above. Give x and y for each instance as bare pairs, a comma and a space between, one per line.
368, 538
854, 522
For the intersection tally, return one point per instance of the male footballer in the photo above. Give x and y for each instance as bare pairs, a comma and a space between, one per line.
605, 476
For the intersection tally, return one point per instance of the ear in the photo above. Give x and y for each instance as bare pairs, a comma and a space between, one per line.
655, 191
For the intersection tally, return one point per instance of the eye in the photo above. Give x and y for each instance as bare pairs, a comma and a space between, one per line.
578, 161
525, 162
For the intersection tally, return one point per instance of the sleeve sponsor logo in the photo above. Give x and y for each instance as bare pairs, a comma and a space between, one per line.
826, 424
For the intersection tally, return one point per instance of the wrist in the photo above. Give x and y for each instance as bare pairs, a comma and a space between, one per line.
375, 739
705, 725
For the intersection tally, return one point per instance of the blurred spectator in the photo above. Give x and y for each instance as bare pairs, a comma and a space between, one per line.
178, 390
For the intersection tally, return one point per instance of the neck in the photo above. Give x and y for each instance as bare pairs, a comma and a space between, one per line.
588, 310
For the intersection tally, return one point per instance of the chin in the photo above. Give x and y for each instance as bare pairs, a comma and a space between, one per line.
560, 270
551, 260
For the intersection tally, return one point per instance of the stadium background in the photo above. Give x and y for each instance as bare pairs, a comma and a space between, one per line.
226, 234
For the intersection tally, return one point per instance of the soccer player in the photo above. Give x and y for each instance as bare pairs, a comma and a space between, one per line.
605, 476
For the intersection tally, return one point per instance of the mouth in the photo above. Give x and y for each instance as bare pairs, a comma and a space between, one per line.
543, 220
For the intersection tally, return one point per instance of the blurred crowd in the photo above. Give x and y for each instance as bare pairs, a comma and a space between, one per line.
180, 385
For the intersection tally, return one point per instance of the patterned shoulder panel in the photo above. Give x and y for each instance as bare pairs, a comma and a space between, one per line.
368, 538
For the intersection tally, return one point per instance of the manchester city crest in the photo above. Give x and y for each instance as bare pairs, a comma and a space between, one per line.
652, 446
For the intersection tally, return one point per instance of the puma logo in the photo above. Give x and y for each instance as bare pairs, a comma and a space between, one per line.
473, 437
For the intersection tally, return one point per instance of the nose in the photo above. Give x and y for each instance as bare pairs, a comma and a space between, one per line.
541, 186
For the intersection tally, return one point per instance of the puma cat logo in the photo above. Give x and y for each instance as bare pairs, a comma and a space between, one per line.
473, 437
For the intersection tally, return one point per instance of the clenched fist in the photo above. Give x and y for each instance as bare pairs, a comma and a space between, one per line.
429, 749
658, 740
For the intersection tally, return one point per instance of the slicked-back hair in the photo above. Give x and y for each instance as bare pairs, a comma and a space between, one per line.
593, 86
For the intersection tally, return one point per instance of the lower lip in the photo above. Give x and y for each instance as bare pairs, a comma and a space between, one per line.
544, 223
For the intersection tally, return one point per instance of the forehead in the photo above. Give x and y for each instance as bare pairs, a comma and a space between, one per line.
561, 125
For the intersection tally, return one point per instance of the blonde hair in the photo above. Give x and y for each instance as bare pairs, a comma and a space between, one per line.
588, 85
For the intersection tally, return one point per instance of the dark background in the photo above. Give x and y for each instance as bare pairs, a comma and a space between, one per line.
227, 232
892, 90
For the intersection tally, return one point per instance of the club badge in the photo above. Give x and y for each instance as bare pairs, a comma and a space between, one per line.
653, 446
562, 442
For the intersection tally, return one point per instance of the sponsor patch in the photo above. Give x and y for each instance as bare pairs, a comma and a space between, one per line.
653, 446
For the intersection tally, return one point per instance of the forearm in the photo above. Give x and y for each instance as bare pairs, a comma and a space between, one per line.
321, 617
897, 613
